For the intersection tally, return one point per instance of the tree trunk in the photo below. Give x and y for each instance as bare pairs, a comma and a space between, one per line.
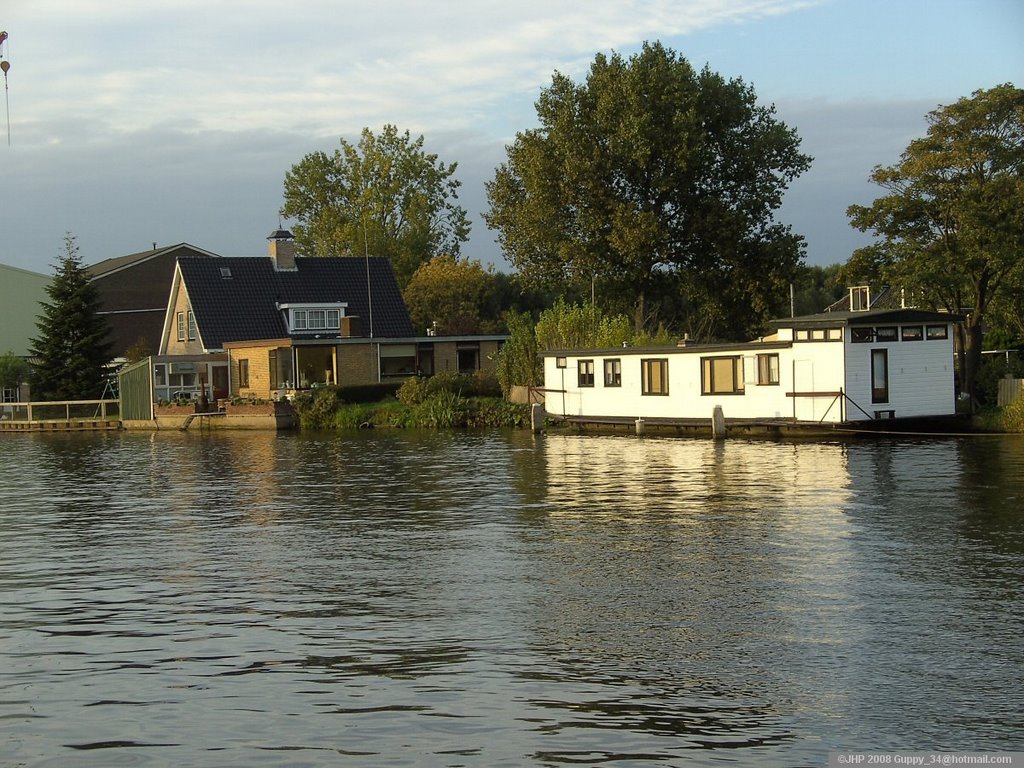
971, 355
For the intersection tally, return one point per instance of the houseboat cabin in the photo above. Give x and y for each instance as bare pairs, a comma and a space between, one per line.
833, 367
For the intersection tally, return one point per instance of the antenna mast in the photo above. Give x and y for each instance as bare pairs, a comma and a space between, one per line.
5, 65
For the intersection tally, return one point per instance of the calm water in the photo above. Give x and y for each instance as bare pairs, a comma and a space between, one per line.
390, 599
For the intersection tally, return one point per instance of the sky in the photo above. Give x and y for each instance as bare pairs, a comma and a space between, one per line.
160, 121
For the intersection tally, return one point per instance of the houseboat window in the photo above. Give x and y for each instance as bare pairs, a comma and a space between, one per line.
721, 376
181, 326
613, 373
802, 335
818, 334
191, 326
835, 334
243, 373
654, 377
938, 332
886, 334
585, 374
862, 335
912, 332
879, 376
767, 369
559, 362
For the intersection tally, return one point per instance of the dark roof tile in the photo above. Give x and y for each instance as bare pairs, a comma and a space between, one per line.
243, 306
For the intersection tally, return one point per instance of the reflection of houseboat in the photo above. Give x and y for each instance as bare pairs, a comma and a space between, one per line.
837, 367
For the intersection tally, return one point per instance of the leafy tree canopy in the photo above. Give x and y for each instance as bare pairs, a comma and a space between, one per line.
452, 293
654, 180
385, 195
73, 348
950, 227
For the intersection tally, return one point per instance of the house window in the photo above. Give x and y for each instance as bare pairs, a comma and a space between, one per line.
721, 376
299, 320
654, 377
334, 319
879, 376
802, 335
468, 358
585, 374
912, 332
613, 373
862, 335
191, 326
559, 362
886, 334
860, 298
243, 373
937, 332
835, 334
818, 334
767, 369
181, 326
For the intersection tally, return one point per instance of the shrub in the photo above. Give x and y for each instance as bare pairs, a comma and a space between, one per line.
316, 408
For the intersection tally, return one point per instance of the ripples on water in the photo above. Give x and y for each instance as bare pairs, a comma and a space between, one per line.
408, 599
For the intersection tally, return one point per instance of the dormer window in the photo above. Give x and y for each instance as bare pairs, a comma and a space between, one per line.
313, 318
860, 298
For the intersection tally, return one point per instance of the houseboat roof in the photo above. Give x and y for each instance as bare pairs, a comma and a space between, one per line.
681, 349
867, 317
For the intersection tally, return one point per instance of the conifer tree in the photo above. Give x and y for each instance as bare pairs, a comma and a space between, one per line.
73, 348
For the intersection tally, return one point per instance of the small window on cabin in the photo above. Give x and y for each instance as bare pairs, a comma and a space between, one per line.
938, 332
767, 369
613, 373
559, 362
888, 333
585, 373
912, 333
862, 335
654, 377
818, 334
835, 334
721, 376
802, 335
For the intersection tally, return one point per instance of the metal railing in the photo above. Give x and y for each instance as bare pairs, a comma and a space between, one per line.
60, 410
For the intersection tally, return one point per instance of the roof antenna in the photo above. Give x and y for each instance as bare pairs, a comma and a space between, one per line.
5, 65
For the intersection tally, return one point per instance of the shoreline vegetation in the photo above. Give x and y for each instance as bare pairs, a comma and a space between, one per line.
443, 401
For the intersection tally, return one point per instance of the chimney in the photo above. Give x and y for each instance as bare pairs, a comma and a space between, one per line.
281, 247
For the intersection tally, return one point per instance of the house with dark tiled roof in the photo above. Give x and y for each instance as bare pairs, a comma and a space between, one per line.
288, 322
133, 293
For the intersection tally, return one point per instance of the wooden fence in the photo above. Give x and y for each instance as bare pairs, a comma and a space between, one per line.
1009, 390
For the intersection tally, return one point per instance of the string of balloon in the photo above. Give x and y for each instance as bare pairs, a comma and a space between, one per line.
5, 65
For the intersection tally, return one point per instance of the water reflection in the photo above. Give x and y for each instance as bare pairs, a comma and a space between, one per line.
458, 599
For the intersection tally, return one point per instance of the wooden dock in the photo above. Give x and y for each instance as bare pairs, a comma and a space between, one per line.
62, 416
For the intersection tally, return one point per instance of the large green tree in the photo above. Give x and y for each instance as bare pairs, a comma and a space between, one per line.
73, 349
950, 227
654, 180
385, 195
452, 293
